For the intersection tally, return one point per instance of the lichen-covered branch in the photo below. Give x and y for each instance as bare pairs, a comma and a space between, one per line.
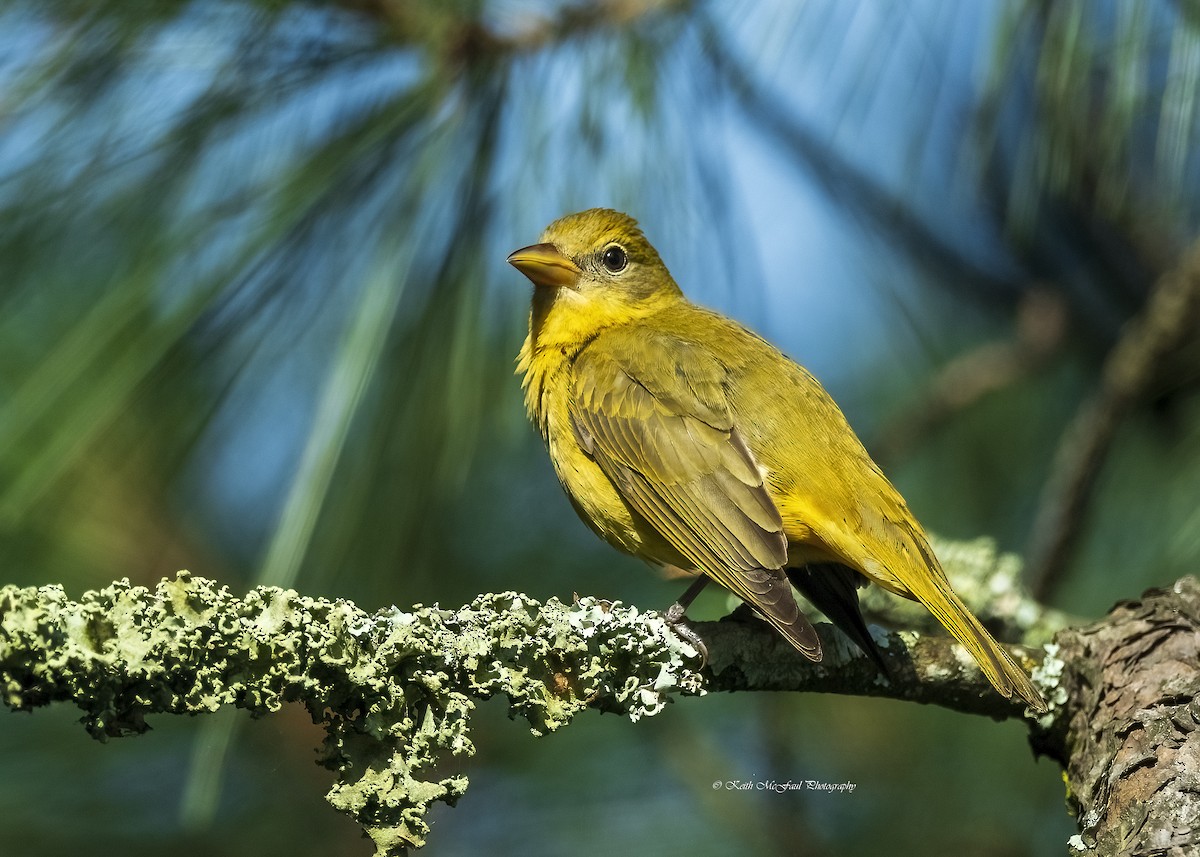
923, 663
926, 669
395, 690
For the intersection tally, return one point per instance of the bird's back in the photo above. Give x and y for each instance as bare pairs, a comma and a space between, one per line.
835, 502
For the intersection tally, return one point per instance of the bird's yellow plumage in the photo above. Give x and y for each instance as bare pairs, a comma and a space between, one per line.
685, 439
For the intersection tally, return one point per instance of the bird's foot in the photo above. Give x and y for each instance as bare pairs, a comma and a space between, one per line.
675, 617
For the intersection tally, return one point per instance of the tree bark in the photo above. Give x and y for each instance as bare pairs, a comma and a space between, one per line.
1127, 734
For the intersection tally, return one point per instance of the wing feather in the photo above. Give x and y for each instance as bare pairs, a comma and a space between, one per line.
665, 437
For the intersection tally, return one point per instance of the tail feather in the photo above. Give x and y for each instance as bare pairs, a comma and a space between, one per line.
830, 587
1005, 674
998, 665
908, 567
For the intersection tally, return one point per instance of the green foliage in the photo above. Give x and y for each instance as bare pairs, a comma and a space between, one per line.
1104, 98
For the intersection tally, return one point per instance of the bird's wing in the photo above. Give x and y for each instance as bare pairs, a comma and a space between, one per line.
664, 435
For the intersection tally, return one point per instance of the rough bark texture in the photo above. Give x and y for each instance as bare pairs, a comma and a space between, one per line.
1128, 736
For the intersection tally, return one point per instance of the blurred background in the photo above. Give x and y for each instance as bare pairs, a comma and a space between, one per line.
255, 321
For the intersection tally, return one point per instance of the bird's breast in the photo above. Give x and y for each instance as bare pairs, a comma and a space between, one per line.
548, 388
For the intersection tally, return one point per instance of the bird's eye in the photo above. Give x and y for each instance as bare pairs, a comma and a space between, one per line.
614, 258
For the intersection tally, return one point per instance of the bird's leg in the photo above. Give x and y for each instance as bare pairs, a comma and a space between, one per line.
676, 614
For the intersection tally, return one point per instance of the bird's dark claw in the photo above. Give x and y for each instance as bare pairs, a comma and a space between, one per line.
675, 617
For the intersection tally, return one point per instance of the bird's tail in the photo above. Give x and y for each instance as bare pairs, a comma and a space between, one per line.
833, 589
1006, 675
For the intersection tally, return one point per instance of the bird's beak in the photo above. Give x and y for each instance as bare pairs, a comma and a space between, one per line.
545, 266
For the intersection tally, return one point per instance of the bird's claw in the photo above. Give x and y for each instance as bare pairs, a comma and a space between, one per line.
675, 617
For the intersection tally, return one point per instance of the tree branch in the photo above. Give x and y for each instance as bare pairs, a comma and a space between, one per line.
395, 690
459, 39
1168, 321
1129, 738
1041, 325
927, 669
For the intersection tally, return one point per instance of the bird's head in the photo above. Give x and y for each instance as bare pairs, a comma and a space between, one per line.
591, 270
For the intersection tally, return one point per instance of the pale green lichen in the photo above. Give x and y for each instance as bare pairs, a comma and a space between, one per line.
1048, 677
394, 690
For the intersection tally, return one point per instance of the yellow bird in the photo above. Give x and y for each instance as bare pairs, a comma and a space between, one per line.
687, 440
